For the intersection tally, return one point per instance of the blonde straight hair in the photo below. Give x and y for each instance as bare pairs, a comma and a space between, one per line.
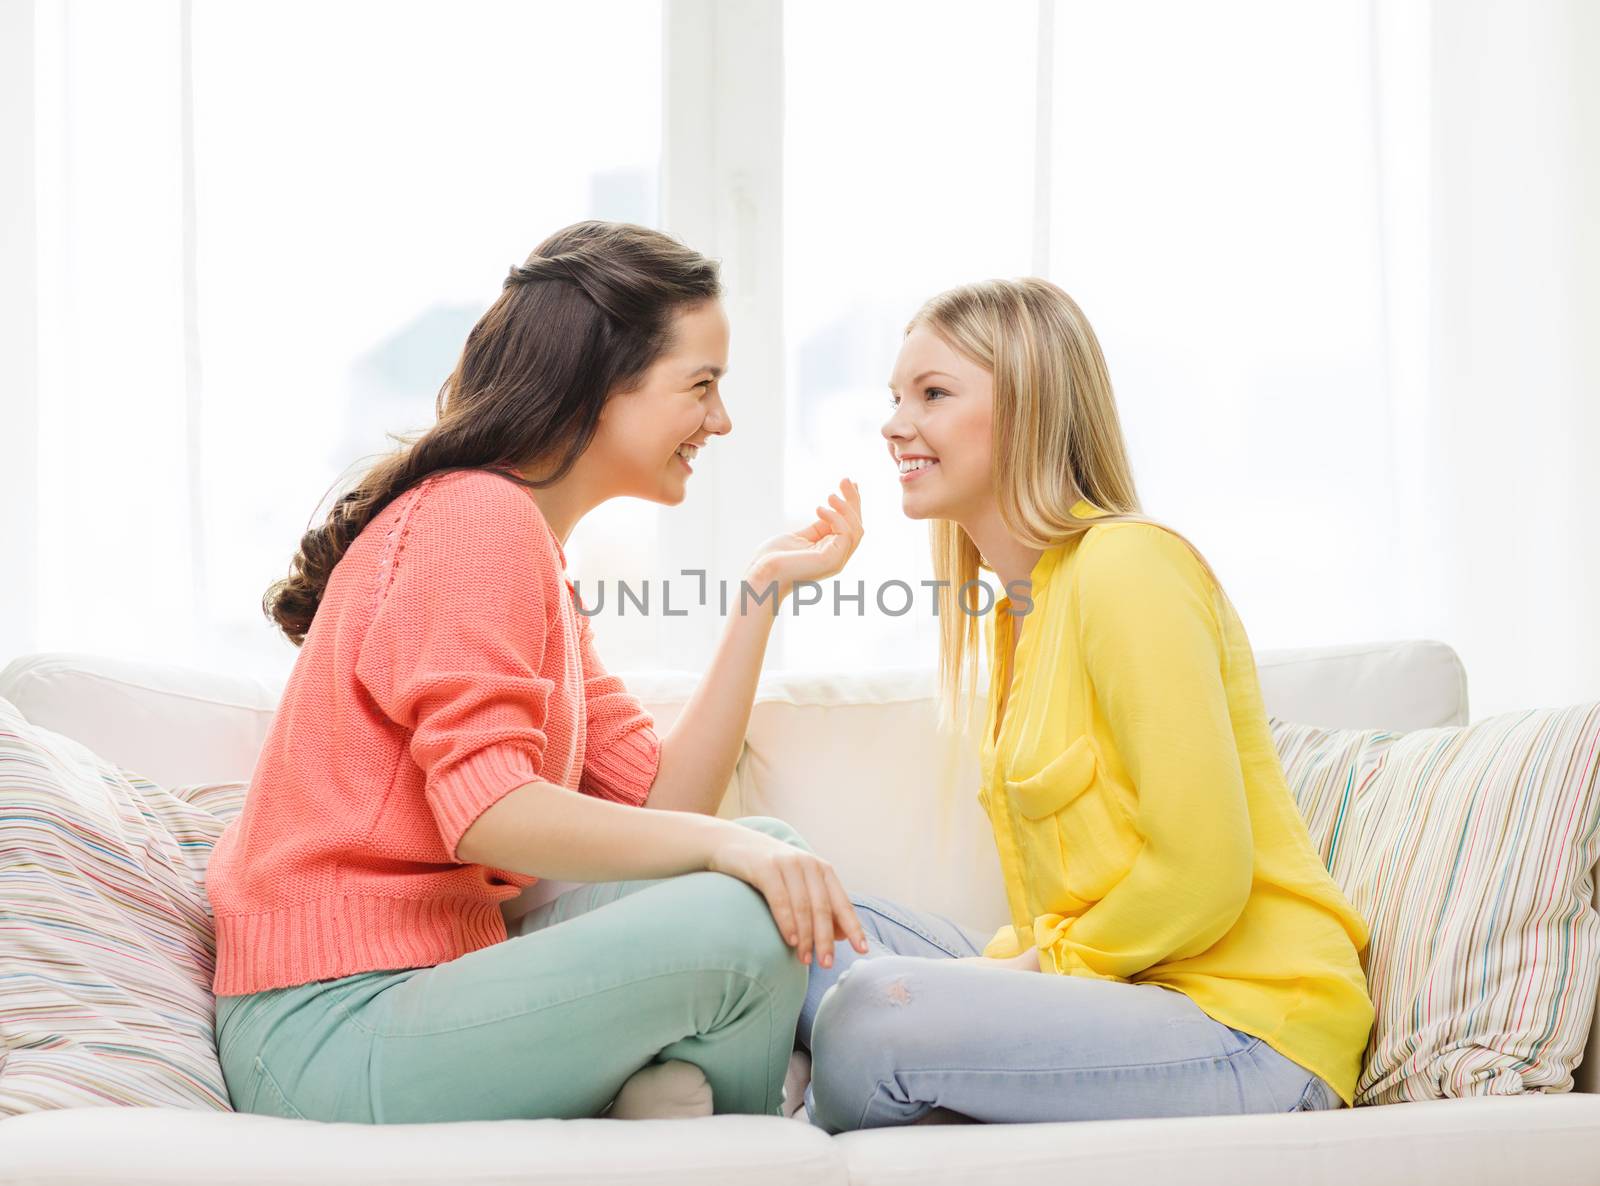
1056, 438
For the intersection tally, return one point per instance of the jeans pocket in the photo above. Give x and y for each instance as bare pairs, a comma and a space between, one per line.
1242, 1041
1317, 1097
231, 1022
1286, 1079
267, 1097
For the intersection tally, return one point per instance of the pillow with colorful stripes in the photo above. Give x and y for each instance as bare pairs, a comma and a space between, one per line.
1469, 850
105, 968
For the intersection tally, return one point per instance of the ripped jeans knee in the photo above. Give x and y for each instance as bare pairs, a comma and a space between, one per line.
865, 1024
853, 1008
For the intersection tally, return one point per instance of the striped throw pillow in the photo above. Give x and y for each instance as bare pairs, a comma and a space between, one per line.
107, 952
1469, 850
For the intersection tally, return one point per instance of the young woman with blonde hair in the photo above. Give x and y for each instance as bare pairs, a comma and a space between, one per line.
1176, 946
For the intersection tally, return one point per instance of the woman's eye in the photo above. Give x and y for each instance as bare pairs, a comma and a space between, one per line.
933, 391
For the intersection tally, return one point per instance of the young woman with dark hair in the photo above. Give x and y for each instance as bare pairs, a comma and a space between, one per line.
448, 735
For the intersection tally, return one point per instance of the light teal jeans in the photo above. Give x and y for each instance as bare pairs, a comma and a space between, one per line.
596, 984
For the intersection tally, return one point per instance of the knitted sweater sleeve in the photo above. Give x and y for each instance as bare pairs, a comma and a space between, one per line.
622, 750
456, 645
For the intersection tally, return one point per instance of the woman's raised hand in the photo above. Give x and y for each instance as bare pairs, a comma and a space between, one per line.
802, 891
816, 551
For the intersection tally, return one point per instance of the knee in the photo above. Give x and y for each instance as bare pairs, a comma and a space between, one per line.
773, 826
868, 1001
738, 932
861, 1025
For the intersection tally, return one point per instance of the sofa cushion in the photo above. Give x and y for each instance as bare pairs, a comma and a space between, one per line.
165, 1147
1468, 850
177, 726
857, 764
1533, 1138
1530, 1138
105, 972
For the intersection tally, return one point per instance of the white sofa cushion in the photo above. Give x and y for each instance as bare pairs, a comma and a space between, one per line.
1531, 1138
165, 1147
175, 725
1469, 851
1534, 1138
105, 972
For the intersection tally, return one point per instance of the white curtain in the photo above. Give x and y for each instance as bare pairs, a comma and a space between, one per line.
1490, 150
1342, 257
260, 236
1488, 139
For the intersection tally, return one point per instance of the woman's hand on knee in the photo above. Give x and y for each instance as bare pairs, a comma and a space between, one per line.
803, 892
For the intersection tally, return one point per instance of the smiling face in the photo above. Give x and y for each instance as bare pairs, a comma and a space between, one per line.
939, 433
646, 439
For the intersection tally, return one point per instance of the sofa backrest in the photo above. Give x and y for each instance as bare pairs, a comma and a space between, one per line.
179, 725
854, 761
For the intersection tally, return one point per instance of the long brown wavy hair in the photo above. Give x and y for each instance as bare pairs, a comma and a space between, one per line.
581, 319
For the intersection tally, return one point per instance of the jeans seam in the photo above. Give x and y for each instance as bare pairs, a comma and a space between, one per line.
755, 980
909, 925
1110, 1066
1321, 1087
268, 1079
1305, 1096
866, 1107
1006, 1071
1313, 1084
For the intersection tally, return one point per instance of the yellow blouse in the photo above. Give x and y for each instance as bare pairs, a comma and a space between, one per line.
1145, 830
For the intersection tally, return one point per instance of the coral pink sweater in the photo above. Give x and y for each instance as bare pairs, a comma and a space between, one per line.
446, 666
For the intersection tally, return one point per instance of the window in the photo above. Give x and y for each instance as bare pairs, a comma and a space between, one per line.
907, 170
363, 175
264, 232
1215, 213
340, 267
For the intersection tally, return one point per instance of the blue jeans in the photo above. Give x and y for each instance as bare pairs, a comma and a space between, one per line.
903, 1029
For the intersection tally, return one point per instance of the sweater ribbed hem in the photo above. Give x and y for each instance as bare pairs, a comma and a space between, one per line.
339, 936
627, 770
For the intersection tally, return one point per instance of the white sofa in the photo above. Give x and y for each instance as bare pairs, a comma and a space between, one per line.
855, 763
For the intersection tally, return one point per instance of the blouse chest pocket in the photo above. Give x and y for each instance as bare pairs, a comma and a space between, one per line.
1075, 829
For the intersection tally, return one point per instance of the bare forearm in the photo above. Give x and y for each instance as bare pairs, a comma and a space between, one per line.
544, 830
700, 751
